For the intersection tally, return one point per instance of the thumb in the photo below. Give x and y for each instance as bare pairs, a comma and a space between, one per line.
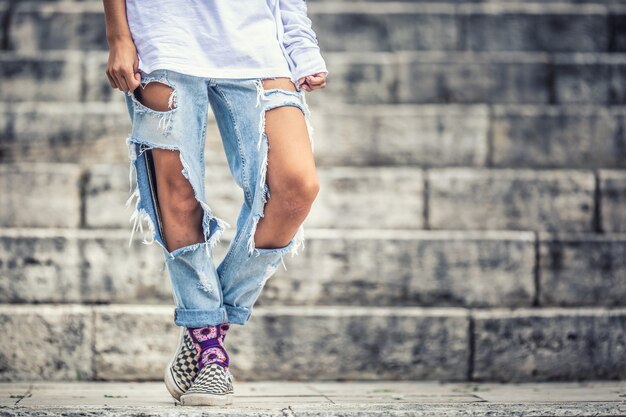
137, 74
134, 81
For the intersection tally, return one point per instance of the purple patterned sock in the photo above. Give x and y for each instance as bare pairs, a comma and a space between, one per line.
209, 343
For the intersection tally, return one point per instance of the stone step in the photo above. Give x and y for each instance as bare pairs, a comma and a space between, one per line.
375, 26
320, 398
423, 135
399, 78
447, 344
339, 266
70, 196
502, 136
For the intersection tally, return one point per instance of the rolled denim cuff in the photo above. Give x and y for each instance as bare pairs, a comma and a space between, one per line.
237, 315
193, 318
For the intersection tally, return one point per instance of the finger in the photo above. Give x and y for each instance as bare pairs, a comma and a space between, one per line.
135, 75
122, 81
318, 87
111, 81
117, 81
315, 80
136, 70
314, 77
129, 78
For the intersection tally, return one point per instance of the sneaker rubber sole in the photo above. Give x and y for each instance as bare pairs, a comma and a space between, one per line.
206, 399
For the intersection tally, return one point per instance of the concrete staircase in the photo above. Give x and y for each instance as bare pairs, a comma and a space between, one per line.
471, 223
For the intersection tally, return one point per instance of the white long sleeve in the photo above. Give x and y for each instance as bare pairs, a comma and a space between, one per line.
300, 40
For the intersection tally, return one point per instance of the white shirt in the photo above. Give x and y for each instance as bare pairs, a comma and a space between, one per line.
225, 38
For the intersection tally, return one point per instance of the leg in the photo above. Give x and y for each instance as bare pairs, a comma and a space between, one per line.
289, 172
166, 147
181, 213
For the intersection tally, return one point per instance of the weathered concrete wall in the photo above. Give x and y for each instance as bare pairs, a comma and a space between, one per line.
470, 223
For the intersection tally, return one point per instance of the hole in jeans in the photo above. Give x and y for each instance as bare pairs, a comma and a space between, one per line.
182, 209
156, 96
282, 92
278, 83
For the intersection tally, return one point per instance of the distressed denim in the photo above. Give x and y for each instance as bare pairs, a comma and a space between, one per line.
205, 294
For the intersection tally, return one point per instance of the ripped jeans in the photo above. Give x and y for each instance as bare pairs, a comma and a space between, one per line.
203, 294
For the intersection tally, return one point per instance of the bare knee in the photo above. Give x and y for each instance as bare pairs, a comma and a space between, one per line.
295, 193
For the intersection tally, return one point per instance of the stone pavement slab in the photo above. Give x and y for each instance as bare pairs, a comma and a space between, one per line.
288, 398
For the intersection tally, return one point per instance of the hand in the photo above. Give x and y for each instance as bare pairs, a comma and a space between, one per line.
313, 82
122, 68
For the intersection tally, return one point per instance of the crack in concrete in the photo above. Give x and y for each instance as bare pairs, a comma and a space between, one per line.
27, 394
319, 392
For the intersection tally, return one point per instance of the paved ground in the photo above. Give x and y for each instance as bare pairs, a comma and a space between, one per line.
322, 399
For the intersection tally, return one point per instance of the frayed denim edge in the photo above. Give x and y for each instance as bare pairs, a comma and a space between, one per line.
298, 240
140, 214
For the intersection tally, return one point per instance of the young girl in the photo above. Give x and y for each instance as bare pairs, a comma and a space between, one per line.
251, 61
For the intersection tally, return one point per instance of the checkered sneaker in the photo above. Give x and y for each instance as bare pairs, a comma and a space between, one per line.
212, 386
184, 367
186, 363
213, 379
